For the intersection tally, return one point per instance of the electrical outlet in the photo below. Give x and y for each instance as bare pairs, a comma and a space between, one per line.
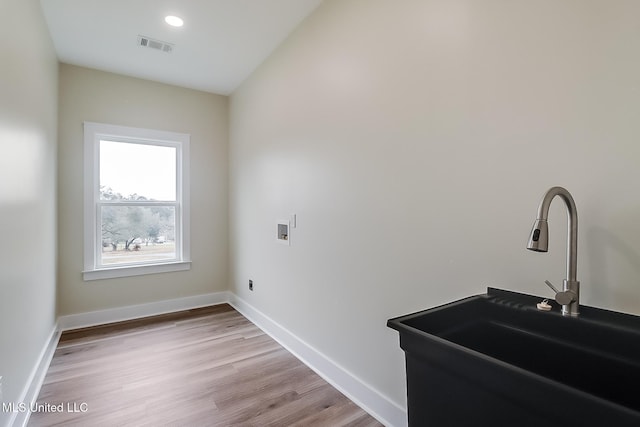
250, 285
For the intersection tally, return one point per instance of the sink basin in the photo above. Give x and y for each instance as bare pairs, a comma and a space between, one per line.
495, 359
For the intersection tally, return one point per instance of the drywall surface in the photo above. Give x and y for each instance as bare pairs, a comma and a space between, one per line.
414, 141
28, 120
95, 96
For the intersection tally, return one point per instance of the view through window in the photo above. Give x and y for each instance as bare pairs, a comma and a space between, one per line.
137, 202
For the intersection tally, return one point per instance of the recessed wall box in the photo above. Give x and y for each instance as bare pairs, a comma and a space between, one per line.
283, 232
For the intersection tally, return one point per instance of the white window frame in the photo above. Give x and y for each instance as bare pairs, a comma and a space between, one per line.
93, 133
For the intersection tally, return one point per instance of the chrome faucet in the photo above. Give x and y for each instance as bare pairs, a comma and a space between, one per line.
569, 297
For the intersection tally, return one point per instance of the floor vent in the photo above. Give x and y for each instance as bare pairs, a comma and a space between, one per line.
150, 43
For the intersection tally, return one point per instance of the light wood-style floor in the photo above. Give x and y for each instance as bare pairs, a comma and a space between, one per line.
204, 367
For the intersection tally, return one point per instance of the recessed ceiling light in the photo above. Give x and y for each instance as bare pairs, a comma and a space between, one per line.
174, 21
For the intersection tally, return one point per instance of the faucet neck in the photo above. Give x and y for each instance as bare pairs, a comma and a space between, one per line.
572, 226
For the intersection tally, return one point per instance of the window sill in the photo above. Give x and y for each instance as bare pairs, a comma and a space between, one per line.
136, 270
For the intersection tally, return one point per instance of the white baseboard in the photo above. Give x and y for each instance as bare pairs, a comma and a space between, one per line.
355, 389
34, 383
118, 314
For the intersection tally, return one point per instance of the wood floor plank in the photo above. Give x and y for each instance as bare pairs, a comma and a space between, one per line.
202, 367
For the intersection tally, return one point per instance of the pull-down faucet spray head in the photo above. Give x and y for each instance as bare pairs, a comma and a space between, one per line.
539, 238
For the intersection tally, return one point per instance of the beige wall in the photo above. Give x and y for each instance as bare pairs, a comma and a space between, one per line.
414, 140
89, 95
28, 120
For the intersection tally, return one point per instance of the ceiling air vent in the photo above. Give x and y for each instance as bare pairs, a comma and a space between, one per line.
145, 41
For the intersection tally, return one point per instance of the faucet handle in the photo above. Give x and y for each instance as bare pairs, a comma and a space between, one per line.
549, 284
564, 297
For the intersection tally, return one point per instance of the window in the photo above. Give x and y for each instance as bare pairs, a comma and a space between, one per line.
136, 201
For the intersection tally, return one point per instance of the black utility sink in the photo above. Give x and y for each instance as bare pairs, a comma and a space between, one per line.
495, 359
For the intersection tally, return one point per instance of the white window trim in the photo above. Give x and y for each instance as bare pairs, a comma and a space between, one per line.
93, 133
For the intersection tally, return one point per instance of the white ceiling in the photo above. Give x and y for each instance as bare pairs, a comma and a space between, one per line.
220, 44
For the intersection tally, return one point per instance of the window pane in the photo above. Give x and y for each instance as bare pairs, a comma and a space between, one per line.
132, 234
131, 171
